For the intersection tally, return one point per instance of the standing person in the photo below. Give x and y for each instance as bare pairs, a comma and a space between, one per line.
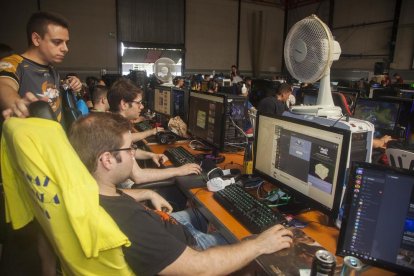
24, 79
32, 75
159, 243
276, 104
235, 75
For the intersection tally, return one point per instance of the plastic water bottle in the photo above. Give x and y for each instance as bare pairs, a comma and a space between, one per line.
244, 89
248, 158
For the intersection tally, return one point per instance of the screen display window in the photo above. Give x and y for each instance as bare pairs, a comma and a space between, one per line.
309, 160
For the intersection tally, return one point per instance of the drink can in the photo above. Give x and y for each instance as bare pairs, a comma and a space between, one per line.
323, 263
352, 266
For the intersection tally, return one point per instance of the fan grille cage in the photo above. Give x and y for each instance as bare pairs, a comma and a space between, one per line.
313, 33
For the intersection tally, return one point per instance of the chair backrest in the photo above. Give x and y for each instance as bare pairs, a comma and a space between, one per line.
400, 158
43, 178
340, 100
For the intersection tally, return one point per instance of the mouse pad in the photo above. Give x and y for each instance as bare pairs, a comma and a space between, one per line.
296, 260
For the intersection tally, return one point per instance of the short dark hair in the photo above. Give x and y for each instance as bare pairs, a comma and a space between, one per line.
122, 89
39, 21
97, 133
99, 92
284, 87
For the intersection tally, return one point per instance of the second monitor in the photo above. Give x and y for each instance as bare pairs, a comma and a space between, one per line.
217, 119
307, 159
171, 101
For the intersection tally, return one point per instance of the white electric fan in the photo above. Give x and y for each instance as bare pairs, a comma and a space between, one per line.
165, 70
309, 52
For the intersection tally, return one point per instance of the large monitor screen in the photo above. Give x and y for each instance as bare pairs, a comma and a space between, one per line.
380, 112
206, 117
378, 223
307, 159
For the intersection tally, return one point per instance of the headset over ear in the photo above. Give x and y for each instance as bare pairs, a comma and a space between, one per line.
215, 176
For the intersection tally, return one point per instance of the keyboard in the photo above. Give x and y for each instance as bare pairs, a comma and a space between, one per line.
253, 214
179, 156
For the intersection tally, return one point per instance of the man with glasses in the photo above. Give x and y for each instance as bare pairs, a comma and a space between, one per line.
159, 243
125, 98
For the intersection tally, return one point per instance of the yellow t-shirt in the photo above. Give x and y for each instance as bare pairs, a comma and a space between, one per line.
44, 178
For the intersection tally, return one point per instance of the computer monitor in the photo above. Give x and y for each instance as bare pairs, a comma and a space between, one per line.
378, 223
211, 115
306, 159
171, 101
390, 115
206, 118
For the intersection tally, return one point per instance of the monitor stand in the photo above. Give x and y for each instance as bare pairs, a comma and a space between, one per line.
293, 207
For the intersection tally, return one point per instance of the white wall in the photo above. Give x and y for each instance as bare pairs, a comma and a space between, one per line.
211, 33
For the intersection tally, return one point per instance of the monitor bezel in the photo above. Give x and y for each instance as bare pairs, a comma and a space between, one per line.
162, 89
332, 213
346, 206
393, 100
194, 93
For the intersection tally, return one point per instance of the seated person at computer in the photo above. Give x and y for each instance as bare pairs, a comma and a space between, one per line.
125, 98
160, 245
178, 82
212, 86
100, 99
276, 104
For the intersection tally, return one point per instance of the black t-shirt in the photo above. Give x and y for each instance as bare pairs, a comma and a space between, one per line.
157, 238
271, 105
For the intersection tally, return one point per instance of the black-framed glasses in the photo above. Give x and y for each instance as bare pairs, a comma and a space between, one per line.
138, 102
132, 148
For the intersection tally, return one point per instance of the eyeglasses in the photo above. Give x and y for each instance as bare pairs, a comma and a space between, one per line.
138, 102
132, 148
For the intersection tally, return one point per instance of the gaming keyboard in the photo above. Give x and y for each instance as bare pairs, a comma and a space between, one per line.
253, 214
179, 156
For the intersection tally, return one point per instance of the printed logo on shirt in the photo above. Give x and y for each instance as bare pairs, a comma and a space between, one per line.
5, 65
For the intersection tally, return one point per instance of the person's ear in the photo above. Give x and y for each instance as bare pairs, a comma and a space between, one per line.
36, 39
106, 160
123, 105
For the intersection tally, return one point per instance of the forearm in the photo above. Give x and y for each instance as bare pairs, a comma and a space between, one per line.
139, 194
143, 155
8, 94
150, 175
221, 260
138, 136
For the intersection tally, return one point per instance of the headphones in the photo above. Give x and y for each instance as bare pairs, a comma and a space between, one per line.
165, 137
216, 182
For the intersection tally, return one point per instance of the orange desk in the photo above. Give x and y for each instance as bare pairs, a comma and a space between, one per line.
234, 231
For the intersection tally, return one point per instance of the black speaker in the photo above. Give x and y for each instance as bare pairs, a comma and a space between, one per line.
379, 68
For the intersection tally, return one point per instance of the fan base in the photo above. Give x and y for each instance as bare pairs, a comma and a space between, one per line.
317, 110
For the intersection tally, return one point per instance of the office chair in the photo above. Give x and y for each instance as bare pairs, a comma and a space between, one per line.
400, 158
341, 101
44, 180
